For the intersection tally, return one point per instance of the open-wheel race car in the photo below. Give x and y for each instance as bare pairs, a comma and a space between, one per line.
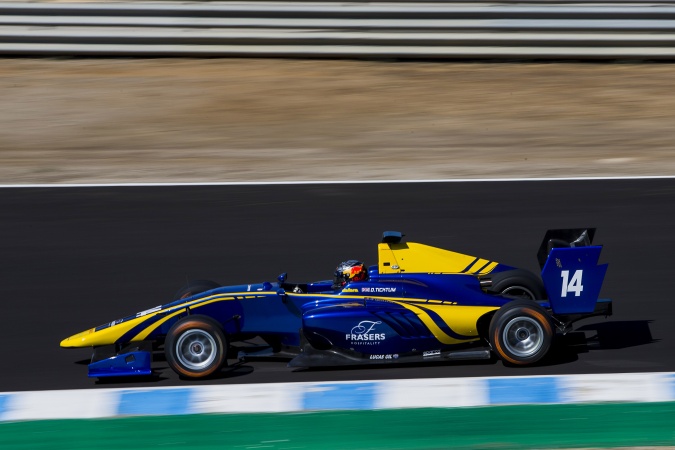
418, 304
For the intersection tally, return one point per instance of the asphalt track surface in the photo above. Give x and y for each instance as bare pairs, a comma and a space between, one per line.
73, 258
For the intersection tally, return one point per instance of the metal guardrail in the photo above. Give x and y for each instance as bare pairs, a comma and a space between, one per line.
548, 30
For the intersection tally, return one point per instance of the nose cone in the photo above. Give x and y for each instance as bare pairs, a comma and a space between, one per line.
77, 340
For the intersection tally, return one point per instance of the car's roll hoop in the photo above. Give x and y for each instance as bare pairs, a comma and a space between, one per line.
392, 237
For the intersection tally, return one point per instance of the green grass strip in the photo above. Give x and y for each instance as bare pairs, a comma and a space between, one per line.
502, 427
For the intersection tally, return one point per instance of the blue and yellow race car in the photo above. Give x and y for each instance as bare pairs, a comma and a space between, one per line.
418, 304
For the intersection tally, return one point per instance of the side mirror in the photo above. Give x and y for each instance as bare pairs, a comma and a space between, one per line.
282, 277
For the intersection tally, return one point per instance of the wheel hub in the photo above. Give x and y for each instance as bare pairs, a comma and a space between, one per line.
523, 336
196, 349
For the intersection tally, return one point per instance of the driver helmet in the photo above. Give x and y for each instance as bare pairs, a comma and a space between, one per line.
349, 271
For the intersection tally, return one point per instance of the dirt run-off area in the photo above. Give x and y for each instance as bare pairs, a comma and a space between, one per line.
219, 120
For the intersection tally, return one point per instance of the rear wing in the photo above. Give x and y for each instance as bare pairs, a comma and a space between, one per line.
570, 270
564, 238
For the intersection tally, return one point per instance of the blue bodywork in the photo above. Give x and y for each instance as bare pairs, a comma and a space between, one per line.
122, 365
573, 279
390, 317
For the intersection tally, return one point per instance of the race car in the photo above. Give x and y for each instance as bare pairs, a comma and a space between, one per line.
418, 304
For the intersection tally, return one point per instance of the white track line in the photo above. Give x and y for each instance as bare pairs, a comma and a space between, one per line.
315, 182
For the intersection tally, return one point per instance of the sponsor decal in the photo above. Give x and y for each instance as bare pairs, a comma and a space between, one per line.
365, 333
394, 356
350, 290
146, 312
378, 290
431, 353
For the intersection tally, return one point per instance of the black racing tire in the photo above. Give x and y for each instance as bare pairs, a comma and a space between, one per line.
195, 287
196, 347
518, 283
521, 332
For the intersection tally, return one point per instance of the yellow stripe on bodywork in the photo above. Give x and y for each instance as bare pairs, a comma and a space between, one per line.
144, 334
110, 335
490, 267
461, 319
106, 336
208, 302
477, 266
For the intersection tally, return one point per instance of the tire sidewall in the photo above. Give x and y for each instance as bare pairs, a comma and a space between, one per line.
195, 287
520, 278
510, 311
204, 324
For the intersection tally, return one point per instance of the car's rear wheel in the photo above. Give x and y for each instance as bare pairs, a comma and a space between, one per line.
519, 291
521, 332
196, 347
518, 283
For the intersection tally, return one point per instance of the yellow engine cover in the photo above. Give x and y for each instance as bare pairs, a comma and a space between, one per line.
411, 257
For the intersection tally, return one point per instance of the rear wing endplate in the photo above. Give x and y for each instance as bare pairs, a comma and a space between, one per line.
564, 238
570, 270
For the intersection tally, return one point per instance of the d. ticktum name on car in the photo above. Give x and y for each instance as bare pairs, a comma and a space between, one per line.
378, 289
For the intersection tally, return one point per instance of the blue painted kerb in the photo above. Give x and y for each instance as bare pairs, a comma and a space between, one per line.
155, 403
508, 391
4, 400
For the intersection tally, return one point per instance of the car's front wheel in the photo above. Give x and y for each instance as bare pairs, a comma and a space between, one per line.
196, 347
195, 287
521, 332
